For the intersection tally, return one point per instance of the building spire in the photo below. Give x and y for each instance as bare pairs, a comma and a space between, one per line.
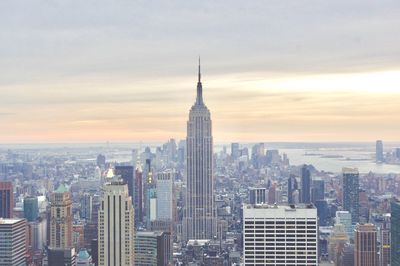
199, 98
199, 71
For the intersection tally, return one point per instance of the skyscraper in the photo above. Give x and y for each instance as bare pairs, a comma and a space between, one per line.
153, 248
292, 187
127, 175
344, 218
379, 151
351, 193
116, 225
31, 208
235, 150
165, 184
138, 201
317, 190
86, 206
365, 245
395, 232
12, 242
199, 216
305, 196
280, 235
6, 199
61, 218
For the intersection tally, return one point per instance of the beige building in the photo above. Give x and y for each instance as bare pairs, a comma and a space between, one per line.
61, 219
116, 225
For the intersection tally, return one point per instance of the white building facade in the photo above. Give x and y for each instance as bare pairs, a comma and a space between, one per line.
280, 235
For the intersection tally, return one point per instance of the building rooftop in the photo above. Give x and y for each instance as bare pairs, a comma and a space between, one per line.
61, 189
9, 221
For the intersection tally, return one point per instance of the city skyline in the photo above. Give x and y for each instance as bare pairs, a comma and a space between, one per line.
279, 76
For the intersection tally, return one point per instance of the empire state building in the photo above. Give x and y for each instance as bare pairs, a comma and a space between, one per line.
199, 216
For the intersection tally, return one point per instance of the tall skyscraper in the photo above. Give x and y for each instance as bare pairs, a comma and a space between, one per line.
351, 193
61, 218
127, 175
199, 215
86, 206
31, 208
365, 245
317, 190
12, 242
235, 150
280, 235
292, 187
6, 199
116, 225
395, 232
257, 195
379, 151
138, 201
165, 195
150, 194
305, 196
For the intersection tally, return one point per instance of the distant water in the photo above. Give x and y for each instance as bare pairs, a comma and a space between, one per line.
329, 157
332, 157
331, 160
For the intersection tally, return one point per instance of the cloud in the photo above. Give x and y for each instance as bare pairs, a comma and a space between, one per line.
273, 70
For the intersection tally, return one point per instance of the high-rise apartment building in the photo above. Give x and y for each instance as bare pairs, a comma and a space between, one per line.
31, 208
305, 196
61, 218
12, 242
280, 235
6, 199
257, 195
116, 225
199, 215
365, 245
165, 196
351, 193
379, 152
153, 248
395, 232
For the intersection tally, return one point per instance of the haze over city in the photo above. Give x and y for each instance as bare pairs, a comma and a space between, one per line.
94, 71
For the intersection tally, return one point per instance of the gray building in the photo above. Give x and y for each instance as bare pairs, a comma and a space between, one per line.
351, 193
305, 196
153, 248
257, 195
199, 215
165, 200
379, 151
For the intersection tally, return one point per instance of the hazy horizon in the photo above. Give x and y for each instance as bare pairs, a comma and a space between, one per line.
303, 71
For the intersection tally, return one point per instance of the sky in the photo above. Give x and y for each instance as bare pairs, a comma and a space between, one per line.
120, 71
